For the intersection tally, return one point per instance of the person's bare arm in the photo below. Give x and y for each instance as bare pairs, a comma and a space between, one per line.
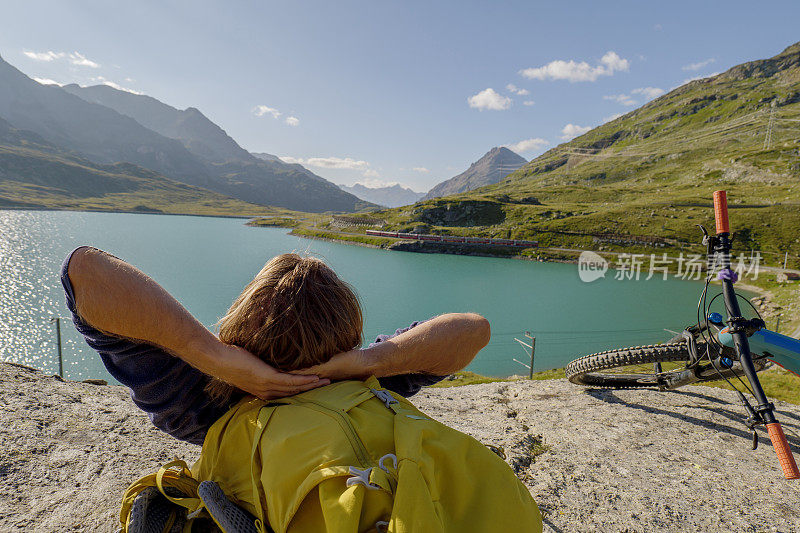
439, 347
119, 299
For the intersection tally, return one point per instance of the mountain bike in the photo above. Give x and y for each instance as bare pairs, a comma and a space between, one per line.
713, 348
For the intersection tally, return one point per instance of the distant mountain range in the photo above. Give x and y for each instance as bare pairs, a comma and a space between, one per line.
495, 165
104, 126
393, 196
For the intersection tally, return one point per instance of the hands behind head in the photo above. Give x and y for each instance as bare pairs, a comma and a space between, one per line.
242, 369
354, 364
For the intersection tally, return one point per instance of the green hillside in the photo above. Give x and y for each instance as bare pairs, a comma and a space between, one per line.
651, 172
35, 174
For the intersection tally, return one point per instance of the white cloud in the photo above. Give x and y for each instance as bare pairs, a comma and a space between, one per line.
623, 99
527, 145
614, 63
370, 173
80, 60
48, 81
571, 131
627, 99
76, 58
44, 56
612, 117
648, 92
377, 184
658, 27
261, 110
337, 162
528, 102
700, 64
516, 90
421, 170
489, 99
334, 163
574, 71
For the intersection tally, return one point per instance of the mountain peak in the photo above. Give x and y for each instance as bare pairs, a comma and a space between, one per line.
491, 168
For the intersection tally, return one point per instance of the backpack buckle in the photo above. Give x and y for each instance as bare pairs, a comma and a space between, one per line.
358, 476
385, 397
391, 456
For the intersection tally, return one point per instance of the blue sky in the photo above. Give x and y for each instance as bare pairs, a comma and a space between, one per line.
406, 91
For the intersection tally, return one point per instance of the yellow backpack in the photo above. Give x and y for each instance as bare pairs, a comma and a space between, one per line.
352, 457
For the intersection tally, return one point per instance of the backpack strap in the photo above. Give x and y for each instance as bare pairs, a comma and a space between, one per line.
259, 498
173, 480
176, 474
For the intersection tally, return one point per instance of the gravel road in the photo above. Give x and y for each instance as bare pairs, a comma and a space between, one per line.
594, 460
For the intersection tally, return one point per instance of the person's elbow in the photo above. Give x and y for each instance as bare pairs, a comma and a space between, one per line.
83, 260
475, 333
481, 330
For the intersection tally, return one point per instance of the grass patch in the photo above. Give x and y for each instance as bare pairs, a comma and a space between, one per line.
359, 239
778, 384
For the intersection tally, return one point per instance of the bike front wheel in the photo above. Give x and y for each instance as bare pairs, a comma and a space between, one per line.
625, 367
656, 365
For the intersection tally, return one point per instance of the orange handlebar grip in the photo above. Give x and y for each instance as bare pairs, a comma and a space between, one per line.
721, 211
782, 450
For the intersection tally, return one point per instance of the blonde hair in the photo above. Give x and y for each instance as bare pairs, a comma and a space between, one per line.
296, 313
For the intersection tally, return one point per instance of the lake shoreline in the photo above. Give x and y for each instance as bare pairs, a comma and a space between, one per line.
401, 246
766, 295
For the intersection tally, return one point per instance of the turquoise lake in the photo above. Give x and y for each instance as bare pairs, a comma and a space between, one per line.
205, 262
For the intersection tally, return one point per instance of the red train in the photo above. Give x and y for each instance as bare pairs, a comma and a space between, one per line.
454, 239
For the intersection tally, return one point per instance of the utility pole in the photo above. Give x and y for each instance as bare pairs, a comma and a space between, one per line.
57, 320
768, 138
533, 350
532, 347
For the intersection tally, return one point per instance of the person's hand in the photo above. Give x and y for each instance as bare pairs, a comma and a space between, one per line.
355, 364
244, 370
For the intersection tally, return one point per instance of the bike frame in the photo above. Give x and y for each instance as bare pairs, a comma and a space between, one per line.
783, 350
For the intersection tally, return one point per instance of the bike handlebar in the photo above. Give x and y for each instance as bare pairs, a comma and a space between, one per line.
721, 211
782, 450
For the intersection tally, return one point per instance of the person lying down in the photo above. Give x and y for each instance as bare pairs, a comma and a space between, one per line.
301, 429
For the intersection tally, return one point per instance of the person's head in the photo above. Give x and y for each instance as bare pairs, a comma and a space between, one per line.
296, 313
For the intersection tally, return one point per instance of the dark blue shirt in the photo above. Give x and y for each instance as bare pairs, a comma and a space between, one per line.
170, 390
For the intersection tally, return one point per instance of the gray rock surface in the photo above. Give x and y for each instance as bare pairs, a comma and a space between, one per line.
594, 460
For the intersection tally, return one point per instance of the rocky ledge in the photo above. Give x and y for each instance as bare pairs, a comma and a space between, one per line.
594, 460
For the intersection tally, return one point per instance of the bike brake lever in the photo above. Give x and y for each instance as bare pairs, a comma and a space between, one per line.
705, 234
752, 420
